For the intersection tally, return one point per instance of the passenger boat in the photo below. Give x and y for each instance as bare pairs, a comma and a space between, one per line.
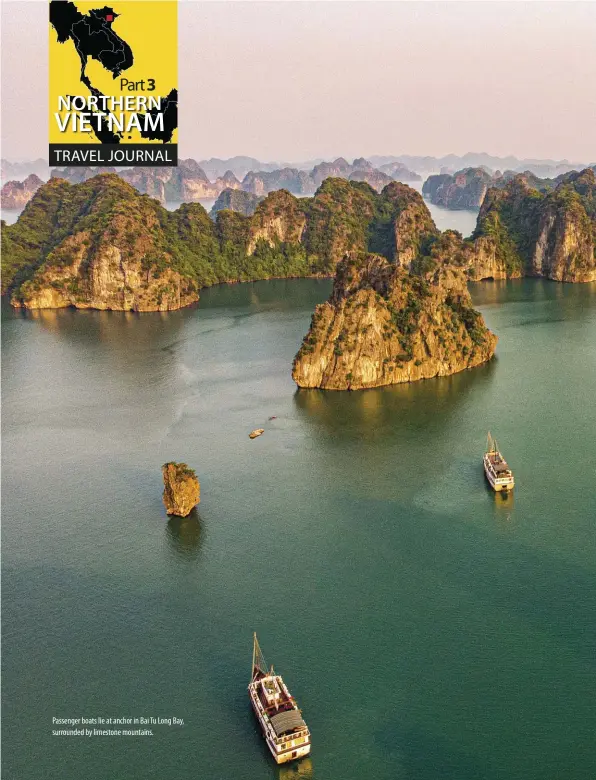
256, 432
496, 469
286, 734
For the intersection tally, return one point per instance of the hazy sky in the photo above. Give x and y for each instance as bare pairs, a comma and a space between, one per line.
297, 80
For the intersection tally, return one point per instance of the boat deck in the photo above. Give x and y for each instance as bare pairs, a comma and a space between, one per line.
285, 703
497, 462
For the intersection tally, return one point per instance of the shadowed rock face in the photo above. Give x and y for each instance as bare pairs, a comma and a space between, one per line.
383, 325
533, 233
467, 188
97, 245
181, 491
236, 200
464, 190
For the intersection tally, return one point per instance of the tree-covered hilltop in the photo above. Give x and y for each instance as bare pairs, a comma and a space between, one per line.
534, 233
407, 315
101, 244
384, 325
347, 216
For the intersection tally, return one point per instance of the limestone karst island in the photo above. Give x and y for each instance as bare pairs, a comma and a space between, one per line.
400, 309
181, 491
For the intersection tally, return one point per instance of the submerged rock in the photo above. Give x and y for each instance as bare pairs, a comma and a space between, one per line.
181, 491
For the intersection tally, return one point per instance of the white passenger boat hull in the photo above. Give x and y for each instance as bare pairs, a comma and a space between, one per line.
285, 732
498, 485
292, 753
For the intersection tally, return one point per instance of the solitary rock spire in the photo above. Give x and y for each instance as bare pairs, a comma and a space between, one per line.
181, 491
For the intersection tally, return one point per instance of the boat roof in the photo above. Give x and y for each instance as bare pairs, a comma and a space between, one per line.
287, 721
499, 467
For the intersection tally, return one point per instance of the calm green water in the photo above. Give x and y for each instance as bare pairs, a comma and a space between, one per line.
429, 629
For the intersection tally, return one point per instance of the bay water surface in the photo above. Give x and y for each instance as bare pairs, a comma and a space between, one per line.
429, 629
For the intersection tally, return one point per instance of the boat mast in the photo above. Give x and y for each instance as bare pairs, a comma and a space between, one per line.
258, 659
491, 444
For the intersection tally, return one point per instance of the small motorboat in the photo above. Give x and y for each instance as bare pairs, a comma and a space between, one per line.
256, 432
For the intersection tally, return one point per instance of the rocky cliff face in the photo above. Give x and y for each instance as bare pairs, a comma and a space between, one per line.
100, 244
261, 183
106, 261
533, 233
278, 219
181, 491
376, 179
345, 216
412, 226
16, 194
384, 325
236, 200
228, 181
464, 190
338, 222
485, 262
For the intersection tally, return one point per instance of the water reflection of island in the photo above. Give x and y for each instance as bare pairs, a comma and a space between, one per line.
393, 411
185, 536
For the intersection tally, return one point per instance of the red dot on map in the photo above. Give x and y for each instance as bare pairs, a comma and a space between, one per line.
109, 18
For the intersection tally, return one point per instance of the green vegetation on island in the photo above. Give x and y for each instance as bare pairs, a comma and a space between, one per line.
100, 244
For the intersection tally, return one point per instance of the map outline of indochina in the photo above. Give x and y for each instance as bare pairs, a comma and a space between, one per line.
113, 84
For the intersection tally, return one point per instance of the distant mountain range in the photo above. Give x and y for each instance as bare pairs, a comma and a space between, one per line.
451, 163
18, 171
188, 182
205, 180
466, 189
215, 168
421, 164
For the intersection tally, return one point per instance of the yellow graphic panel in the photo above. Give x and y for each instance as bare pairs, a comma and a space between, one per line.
113, 72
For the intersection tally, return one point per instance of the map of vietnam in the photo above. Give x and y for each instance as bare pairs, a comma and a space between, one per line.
92, 35
90, 32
